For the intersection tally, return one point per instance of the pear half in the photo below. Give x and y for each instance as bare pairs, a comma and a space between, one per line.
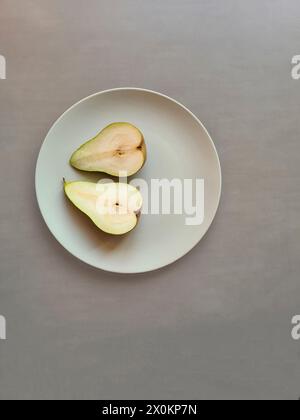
113, 207
118, 150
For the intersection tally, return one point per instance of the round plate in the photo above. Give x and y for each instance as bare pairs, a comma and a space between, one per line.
178, 146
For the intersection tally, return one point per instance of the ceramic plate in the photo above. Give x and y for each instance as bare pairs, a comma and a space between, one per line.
179, 147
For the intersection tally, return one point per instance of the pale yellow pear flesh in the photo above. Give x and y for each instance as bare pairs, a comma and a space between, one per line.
113, 207
118, 150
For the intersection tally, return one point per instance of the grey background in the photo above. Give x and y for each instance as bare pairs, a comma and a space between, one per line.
216, 324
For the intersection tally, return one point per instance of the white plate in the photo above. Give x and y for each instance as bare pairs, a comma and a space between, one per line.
178, 147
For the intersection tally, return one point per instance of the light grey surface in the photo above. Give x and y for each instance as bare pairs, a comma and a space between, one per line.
216, 324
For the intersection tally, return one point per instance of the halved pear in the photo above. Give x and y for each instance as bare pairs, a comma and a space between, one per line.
113, 207
118, 150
